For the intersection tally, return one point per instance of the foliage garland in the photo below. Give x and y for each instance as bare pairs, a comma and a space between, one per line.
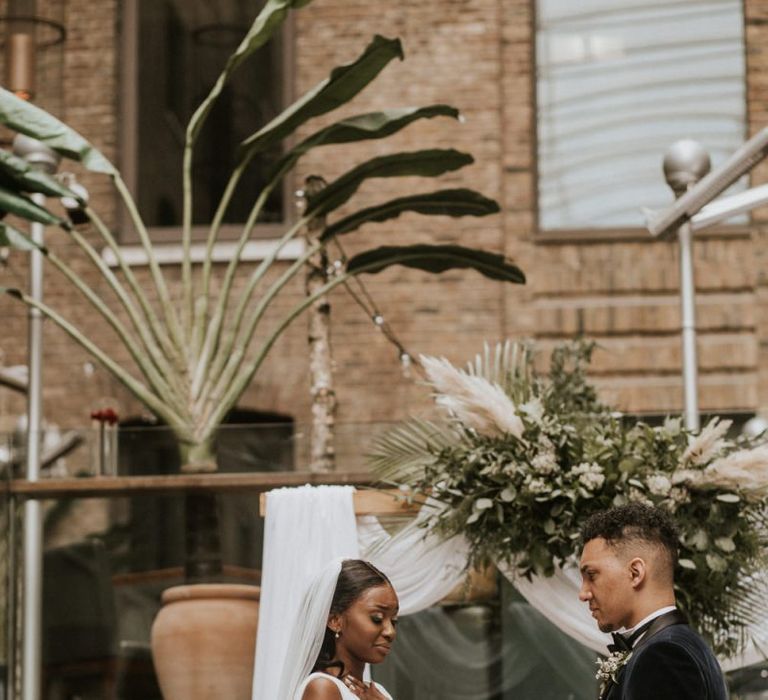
526, 458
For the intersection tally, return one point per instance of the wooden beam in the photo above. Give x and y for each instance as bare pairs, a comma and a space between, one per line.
370, 502
116, 486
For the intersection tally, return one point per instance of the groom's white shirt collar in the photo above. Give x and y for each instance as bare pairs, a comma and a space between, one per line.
652, 616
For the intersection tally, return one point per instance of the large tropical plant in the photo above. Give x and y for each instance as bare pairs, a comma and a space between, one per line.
193, 350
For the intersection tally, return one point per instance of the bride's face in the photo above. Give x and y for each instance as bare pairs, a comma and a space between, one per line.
368, 627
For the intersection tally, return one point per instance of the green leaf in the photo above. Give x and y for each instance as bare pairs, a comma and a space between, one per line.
483, 504
13, 238
458, 202
687, 564
726, 544
508, 494
716, 563
436, 259
264, 26
21, 206
373, 125
29, 179
427, 163
339, 88
26, 118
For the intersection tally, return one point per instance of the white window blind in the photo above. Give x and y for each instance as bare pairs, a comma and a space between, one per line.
618, 81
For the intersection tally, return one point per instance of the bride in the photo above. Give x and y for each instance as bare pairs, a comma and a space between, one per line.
346, 620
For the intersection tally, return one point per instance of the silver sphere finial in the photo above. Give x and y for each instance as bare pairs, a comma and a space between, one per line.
36, 153
685, 163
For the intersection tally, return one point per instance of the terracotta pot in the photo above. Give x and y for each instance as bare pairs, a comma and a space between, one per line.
204, 640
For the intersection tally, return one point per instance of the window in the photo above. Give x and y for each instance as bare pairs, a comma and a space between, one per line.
173, 52
619, 81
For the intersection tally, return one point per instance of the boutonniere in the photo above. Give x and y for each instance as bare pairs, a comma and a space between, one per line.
609, 667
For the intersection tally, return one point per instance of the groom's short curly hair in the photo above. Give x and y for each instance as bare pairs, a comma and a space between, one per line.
634, 523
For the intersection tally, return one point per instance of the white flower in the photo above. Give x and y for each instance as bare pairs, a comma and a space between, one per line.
708, 443
474, 401
538, 486
544, 463
658, 484
590, 475
635, 495
592, 481
608, 668
534, 410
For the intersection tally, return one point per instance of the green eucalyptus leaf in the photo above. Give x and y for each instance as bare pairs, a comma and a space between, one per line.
483, 504
362, 127
23, 207
26, 118
508, 494
687, 564
11, 237
427, 163
716, 563
339, 88
436, 259
457, 202
728, 497
726, 544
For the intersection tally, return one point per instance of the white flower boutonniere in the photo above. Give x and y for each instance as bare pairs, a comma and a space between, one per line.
609, 667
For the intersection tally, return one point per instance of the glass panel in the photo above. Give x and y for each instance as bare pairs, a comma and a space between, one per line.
617, 84
182, 47
500, 649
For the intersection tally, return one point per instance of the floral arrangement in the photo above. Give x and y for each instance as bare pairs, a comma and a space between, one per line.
525, 458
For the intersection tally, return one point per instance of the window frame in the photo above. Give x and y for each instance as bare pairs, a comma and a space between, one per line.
128, 72
618, 234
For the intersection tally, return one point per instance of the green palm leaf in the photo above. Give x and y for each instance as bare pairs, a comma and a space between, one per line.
371, 126
19, 172
457, 202
428, 163
26, 118
437, 259
11, 237
401, 453
23, 207
341, 86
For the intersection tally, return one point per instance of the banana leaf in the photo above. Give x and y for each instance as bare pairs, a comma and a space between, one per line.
270, 18
21, 206
341, 86
370, 126
436, 259
26, 118
11, 237
19, 171
457, 202
427, 163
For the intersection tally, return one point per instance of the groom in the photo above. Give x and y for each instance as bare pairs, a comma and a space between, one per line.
627, 568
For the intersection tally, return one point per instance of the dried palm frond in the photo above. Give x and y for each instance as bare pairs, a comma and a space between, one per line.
473, 401
708, 443
508, 365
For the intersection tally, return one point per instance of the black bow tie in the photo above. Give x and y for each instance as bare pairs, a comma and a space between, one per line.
625, 643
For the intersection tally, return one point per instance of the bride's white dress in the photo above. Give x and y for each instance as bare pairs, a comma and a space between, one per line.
346, 693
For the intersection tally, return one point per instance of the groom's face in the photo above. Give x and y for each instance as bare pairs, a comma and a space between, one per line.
606, 585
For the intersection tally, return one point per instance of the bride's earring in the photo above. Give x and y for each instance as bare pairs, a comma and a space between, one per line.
337, 634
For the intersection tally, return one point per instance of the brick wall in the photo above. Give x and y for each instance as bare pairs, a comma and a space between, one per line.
477, 55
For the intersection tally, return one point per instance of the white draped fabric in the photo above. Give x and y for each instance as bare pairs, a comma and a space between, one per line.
307, 527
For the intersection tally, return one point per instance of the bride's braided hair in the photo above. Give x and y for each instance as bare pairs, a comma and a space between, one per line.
355, 578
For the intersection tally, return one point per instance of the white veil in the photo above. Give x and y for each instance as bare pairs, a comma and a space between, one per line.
309, 626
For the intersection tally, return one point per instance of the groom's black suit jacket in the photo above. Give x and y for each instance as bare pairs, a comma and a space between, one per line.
671, 662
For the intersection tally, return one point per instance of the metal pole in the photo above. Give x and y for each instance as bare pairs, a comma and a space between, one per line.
685, 163
688, 327
32, 577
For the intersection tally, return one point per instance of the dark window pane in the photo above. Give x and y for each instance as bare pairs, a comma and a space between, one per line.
182, 47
